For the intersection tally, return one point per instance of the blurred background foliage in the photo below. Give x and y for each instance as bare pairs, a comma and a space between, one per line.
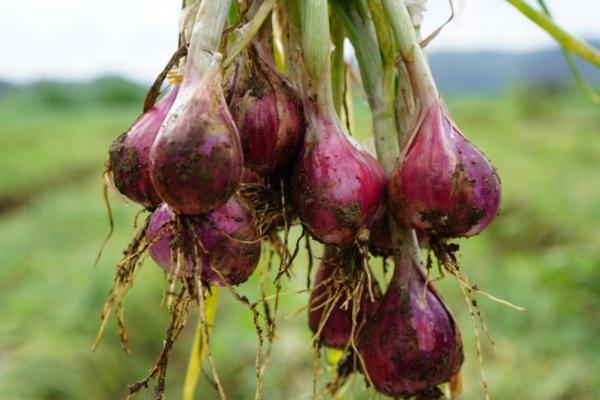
541, 253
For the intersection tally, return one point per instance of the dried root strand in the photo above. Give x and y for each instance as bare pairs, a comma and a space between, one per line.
344, 288
179, 314
180, 230
315, 369
194, 286
345, 368
263, 282
329, 305
205, 332
126, 271
256, 319
268, 198
446, 257
107, 183
177, 299
259, 335
309, 254
288, 260
269, 317
154, 90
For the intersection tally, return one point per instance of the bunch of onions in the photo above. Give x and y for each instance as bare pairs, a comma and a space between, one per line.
223, 175
129, 154
225, 242
412, 342
196, 162
267, 111
333, 316
338, 189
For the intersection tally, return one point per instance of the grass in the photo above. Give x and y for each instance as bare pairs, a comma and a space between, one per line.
541, 253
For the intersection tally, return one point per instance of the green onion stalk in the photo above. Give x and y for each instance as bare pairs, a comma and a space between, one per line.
338, 66
566, 40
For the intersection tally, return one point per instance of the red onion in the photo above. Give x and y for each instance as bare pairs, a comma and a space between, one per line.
196, 161
330, 292
129, 154
412, 342
229, 243
267, 112
337, 188
444, 184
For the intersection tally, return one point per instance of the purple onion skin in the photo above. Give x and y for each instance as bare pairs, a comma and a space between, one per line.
268, 113
196, 161
412, 342
129, 154
337, 187
445, 185
229, 235
337, 328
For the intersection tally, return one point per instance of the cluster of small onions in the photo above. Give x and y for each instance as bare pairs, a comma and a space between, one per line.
189, 155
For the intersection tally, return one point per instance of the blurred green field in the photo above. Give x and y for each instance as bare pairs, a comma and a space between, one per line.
541, 253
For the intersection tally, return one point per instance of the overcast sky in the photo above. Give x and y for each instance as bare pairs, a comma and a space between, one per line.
83, 39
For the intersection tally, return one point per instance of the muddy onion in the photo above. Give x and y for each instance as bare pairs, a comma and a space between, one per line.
328, 315
267, 111
444, 185
412, 342
129, 154
225, 240
196, 161
337, 187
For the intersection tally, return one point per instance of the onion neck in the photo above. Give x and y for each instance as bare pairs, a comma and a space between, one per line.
361, 33
317, 94
338, 66
407, 257
377, 72
294, 64
259, 11
423, 84
206, 36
